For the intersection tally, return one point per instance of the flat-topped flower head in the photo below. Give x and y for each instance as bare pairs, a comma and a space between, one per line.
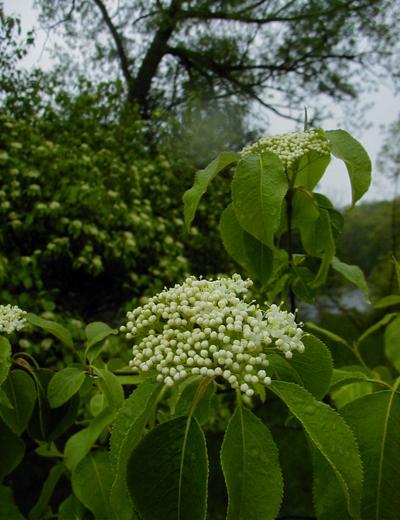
207, 327
290, 147
11, 318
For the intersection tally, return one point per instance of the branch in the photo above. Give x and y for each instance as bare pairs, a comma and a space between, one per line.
202, 14
143, 17
252, 6
203, 63
155, 53
65, 19
305, 59
123, 58
240, 16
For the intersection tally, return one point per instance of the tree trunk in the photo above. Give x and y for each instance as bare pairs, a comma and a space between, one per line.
139, 93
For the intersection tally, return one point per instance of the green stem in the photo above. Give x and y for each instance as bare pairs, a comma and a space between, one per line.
379, 382
356, 351
198, 395
289, 211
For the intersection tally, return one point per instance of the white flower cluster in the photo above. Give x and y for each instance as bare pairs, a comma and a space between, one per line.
289, 147
11, 318
207, 328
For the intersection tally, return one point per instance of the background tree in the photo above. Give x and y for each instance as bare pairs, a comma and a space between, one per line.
389, 166
280, 53
13, 47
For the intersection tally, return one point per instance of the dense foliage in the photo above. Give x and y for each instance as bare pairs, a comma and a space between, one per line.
73, 210
87, 207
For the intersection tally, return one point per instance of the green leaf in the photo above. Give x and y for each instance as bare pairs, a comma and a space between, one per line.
232, 236
46, 424
392, 343
21, 393
331, 437
246, 250
375, 420
64, 385
317, 237
311, 168
186, 398
397, 270
97, 403
323, 270
51, 327
191, 197
259, 259
71, 509
127, 430
326, 333
346, 375
387, 301
39, 509
350, 392
4, 400
48, 450
313, 366
95, 333
305, 209
5, 358
311, 369
301, 284
132, 380
8, 509
358, 164
316, 234
91, 482
251, 469
329, 501
376, 326
79, 444
110, 387
281, 369
167, 472
258, 188
12, 450
353, 274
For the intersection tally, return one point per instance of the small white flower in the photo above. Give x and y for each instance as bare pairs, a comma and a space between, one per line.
11, 318
207, 327
290, 147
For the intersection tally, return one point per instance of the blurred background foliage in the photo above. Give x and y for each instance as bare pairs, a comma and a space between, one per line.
92, 176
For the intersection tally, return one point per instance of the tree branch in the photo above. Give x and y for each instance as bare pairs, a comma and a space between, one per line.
66, 18
154, 55
122, 56
203, 63
201, 14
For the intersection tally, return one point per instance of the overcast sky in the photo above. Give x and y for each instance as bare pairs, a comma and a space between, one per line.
336, 185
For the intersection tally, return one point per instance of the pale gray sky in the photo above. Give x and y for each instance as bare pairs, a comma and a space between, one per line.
385, 109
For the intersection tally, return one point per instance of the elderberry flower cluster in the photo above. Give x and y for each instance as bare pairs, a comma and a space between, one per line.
208, 328
11, 318
290, 147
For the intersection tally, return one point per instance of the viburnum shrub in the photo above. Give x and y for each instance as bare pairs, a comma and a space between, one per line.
209, 404
76, 213
277, 227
